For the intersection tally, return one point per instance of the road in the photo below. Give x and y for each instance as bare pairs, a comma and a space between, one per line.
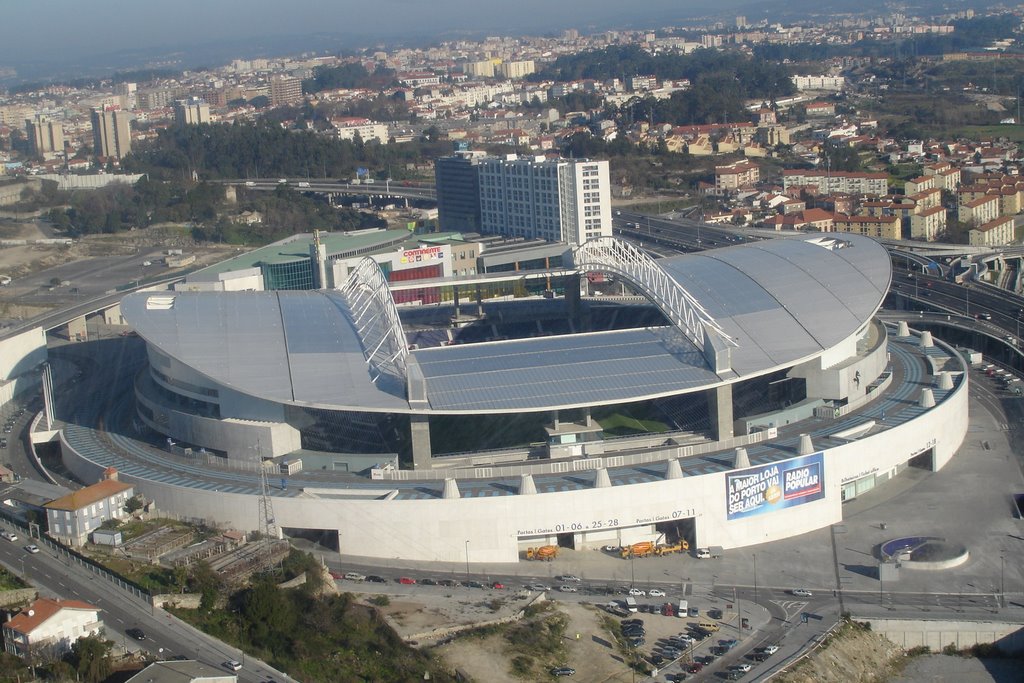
166, 636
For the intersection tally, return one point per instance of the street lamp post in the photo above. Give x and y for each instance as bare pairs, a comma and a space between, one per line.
467, 559
755, 577
1002, 578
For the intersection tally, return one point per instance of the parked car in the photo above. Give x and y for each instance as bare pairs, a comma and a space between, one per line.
498, 585
637, 591
354, 576
569, 578
568, 589
406, 580
447, 582
373, 578
428, 582
563, 671
694, 668
656, 593
802, 593
768, 649
703, 554
538, 587
335, 575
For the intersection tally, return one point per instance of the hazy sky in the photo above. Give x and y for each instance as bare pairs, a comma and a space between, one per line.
51, 29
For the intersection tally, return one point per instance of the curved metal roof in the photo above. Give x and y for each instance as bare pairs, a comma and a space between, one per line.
781, 301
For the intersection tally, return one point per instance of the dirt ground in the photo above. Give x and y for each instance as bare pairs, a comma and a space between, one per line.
853, 655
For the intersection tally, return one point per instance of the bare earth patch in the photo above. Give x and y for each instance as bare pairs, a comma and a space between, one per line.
852, 654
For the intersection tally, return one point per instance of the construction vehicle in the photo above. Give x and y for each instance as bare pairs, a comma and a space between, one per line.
641, 549
544, 552
680, 546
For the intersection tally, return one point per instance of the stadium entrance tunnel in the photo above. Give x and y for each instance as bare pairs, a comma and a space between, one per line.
327, 539
924, 460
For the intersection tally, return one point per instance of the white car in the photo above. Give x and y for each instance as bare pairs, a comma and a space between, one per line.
9, 535
538, 587
636, 592
569, 578
354, 576
740, 667
656, 593
770, 649
802, 593
568, 589
233, 665
32, 549
703, 554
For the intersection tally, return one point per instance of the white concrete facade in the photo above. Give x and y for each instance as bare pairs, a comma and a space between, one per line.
492, 529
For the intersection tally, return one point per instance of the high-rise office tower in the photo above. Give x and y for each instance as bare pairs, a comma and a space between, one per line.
566, 200
111, 132
458, 192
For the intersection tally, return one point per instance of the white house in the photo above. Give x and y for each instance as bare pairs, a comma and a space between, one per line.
51, 626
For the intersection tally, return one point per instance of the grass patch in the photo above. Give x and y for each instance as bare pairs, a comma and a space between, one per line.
623, 423
9, 581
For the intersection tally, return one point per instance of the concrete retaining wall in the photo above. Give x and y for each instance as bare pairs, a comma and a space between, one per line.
909, 633
183, 600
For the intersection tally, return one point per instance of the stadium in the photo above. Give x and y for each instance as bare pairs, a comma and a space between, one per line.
730, 397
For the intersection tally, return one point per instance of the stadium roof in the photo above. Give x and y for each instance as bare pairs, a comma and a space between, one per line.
781, 301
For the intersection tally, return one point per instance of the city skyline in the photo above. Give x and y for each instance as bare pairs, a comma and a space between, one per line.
103, 28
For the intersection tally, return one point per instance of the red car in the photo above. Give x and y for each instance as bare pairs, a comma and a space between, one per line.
334, 574
695, 668
498, 585
406, 580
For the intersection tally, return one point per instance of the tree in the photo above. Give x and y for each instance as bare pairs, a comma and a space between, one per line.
90, 656
133, 504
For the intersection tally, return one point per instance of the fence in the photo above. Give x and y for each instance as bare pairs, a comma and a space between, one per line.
73, 557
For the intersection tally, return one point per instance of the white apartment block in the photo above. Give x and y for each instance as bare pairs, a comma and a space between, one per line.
928, 224
348, 128
979, 211
515, 69
836, 181
995, 233
819, 82
561, 200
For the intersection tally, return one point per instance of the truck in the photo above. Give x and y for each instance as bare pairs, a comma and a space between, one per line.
641, 549
544, 552
680, 546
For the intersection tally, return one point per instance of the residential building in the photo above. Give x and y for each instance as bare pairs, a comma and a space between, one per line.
285, 90
348, 128
458, 191
819, 82
809, 219
837, 181
919, 184
518, 69
879, 227
559, 200
995, 233
733, 176
979, 211
187, 671
815, 109
45, 136
191, 111
928, 224
111, 132
482, 69
50, 627
73, 517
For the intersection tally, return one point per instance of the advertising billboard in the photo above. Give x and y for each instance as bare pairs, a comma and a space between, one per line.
780, 485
